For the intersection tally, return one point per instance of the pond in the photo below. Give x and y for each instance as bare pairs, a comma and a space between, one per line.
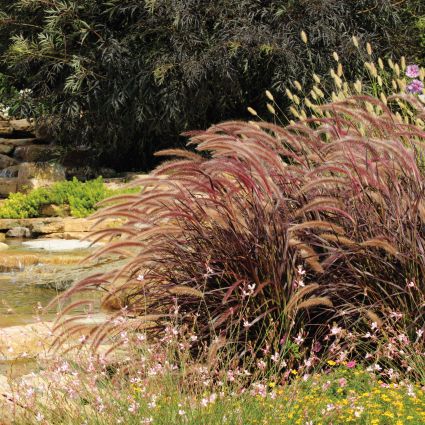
29, 275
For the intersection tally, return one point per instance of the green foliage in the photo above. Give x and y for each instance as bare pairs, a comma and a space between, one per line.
128, 76
81, 197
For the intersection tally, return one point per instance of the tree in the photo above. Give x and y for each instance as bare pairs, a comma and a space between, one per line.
126, 77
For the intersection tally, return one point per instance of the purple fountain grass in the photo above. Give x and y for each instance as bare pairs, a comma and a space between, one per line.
217, 238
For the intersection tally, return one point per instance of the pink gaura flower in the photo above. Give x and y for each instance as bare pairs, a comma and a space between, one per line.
415, 87
351, 364
412, 71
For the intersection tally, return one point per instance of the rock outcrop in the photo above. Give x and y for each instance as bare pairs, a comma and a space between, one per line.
24, 159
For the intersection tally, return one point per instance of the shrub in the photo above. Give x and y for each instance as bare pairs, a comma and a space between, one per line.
268, 237
81, 197
126, 77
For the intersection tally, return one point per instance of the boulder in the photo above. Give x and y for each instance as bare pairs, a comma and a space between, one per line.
8, 186
26, 341
38, 223
4, 385
47, 226
10, 172
6, 149
6, 161
22, 125
18, 142
34, 153
5, 127
34, 175
55, 210
19, 232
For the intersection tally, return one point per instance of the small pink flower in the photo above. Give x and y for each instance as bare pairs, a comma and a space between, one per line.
415, 87
342, 382
351, 364
412, 71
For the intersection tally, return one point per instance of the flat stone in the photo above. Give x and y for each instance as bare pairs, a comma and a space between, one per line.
18, 142
6, 149
9, 223
57, 244
19, 232
77, 225
44, 227
8, 186
26, 341
6, 161
5, 128
70, 235
22, 125
4, 385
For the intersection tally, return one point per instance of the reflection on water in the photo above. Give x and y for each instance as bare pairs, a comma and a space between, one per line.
21, 301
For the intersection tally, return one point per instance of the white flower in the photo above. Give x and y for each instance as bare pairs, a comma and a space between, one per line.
39, 417
336, 330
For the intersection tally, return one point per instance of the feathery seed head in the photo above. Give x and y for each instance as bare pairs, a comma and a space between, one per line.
252, 111
298, 85
316, 78
369, 49
271, 109
269, 95
289, 94
304, 37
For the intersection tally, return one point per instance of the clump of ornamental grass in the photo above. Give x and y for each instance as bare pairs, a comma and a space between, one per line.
266, 237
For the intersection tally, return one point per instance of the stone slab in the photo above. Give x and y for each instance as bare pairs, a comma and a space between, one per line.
18, 142
8, 186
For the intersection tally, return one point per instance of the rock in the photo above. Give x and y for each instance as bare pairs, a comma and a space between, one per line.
8, 186
55, 210
41, 171
9, 223
18, 142
4, 385
71, 235
107, 172
6, 149
57, 244
6, 161
26, 341
10, 172
3, 246
48, 226
77, 225
2, 237
22, 125
19, 232
35, 153
5, 128
32, 175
